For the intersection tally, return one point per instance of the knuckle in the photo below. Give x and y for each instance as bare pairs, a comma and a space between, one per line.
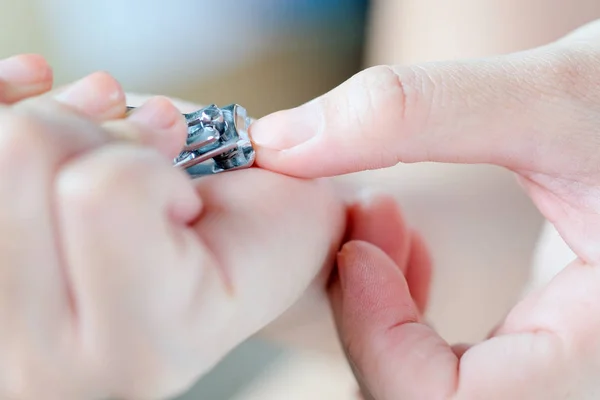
112, 177
409, 86
385, 88
395, 101
574, 73
393, 91
416, 91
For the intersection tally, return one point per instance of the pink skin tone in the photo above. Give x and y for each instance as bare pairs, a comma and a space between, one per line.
536, 113
520, 111
121, 277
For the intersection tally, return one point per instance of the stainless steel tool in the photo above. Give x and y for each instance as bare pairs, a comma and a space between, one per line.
217, 141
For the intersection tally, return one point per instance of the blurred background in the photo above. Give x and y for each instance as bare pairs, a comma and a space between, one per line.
273, 54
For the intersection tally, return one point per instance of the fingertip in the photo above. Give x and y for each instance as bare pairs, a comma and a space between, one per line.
159, 112
98, 96
106, 85
381, 331
352, 251
23, 76
373, 286
376, 218
38, 63
283, 130
26, 69
285, 141
164, 126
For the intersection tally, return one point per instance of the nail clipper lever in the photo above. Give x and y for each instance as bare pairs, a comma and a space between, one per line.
217, 141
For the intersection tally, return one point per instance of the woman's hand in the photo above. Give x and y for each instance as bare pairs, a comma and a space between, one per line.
119, 275
536, 113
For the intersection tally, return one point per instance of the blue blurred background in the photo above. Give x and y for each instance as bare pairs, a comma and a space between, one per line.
264, 54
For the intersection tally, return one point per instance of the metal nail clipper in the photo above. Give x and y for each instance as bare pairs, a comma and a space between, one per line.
217, 141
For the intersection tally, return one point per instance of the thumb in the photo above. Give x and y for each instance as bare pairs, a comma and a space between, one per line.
393, 355
517, 111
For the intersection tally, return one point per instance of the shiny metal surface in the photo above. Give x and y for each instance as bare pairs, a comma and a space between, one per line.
217, 141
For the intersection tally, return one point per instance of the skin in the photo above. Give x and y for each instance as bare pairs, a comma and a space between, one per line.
416, 31
121, 277
379, 319
535, 113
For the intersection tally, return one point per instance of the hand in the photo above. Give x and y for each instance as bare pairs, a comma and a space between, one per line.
536, 113
121, 277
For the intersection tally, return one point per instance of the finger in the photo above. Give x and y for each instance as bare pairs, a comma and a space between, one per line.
537, 353
249, 211
394, 355
197, 294
36, 139
168, 128
543, 349
376, 219
97, 96
171, 144
510, 110
23, 76
419, 271
35, 306
554, 330
123, 212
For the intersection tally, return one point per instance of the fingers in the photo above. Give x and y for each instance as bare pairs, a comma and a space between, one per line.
378, 221
170, 145
393, 354
37, 308
546, 348
168, 128
123, 214
511, 110
35, 312
23, 76
97, 96
197, 293
100, 98
299, 223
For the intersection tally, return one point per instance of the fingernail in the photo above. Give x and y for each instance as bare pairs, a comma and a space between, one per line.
96, 94
287, 129
167, 128
157, 113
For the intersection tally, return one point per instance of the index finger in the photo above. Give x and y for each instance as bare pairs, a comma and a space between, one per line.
511, 110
